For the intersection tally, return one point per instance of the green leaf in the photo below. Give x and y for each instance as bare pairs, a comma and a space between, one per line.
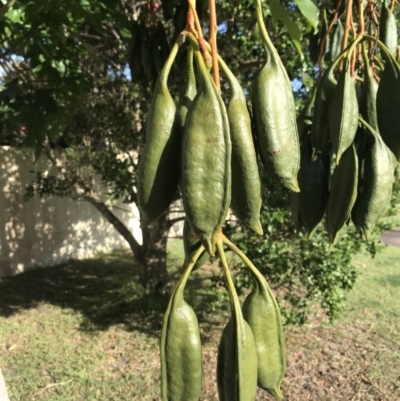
5, 8
310, 12
125, 33
280, 13
59, 66
94, 20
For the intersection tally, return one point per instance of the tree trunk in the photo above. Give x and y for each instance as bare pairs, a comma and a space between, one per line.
117, 223
151, 257
153, 260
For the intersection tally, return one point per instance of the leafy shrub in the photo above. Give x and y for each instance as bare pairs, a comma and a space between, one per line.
300, 271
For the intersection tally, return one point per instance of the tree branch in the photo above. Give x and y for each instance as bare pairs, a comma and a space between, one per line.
116, 223
87, 194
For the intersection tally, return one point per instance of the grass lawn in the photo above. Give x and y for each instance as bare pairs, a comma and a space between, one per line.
85, 330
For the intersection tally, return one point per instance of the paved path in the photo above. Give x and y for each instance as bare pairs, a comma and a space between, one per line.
3, 390
391, 237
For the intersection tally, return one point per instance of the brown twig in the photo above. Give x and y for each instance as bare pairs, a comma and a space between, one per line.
347, 25
190, 24
213, 43
372, 21
322, 45
353, 28
199, 34
51, 385
353, 56
361, 28
353, 63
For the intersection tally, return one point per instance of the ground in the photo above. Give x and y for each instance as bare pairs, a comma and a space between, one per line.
87, 331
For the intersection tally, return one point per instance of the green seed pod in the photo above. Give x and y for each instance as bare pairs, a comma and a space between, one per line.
206, 161
181, 365
159, 166
313, 46
368, 95
396, 165
191, 244
237, 356
360, 143
336, 42
168, 8
135, 63
163, 42
237, 363
146, 55
246, 185
304, 119
294, 211
388, 106
323, 99
343, 113
342, 195
262, 313
375, 187
314, 184
388, 29
275, 115
156, 52
315, 40
190, 91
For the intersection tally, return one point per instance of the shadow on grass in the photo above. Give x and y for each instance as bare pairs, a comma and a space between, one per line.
104, 290
391, 279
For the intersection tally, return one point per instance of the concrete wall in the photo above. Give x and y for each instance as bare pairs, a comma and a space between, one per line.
43, 232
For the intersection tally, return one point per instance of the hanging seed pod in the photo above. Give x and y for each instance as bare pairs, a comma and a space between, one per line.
396, 165
388, 29
246, 185
156, 51
168, 8
342, 195
336, 42
191, 244
134, 61
323, 99
206, 161
237, 356
163, 41
190, 91
375, 187
275, 115
304, 119
314, 184
146, 55
189, 95
313, 46
388, 106
315, 40
343, 113
159, 165
181, 366
368, 95
360, 144
262, 313
294, 211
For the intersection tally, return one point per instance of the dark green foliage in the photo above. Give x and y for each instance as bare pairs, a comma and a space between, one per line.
70, 88
300, 270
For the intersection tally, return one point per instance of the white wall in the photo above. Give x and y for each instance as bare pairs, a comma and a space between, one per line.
43, 232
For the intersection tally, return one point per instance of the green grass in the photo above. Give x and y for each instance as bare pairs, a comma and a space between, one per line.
86, 330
